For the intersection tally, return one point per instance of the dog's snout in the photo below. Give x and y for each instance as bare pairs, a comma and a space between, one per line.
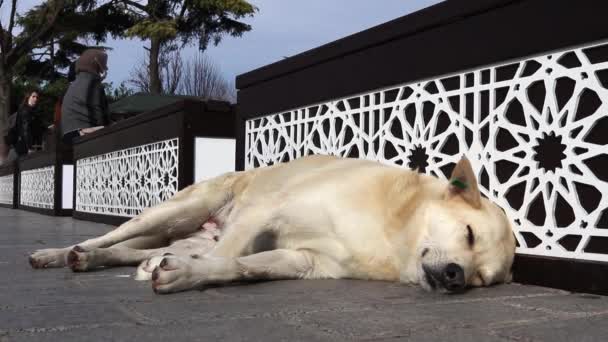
449, 277
453, 277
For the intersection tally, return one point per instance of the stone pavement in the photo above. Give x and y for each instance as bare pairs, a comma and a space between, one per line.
108, 305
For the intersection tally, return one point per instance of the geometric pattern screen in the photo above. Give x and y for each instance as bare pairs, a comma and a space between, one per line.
6, 189
125, 182
535, 131
38, 188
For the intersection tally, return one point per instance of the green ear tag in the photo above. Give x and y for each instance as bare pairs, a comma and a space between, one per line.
459, 184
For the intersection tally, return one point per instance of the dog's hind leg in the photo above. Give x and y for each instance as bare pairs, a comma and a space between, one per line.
56, 257
242, 235
174, 219
135, 251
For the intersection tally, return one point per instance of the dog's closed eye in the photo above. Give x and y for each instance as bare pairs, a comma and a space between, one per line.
470, 236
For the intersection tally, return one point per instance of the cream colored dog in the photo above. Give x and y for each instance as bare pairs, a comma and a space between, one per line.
317, 217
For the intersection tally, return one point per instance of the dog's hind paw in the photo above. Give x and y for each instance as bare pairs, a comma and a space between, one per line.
47, 258
78, 259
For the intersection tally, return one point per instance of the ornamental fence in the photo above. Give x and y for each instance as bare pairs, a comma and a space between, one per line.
526, 103
143, 161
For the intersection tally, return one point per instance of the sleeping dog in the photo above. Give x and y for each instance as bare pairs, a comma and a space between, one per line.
317, 217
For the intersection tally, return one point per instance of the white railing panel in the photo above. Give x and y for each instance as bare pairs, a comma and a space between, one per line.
38, 188
7, 189
125, 182
534, 129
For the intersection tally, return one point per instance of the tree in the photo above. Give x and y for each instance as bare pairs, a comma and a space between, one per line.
14, 46
166, 22
79, 21
170, 71
199, 76
203, 78
36, 45
116, 93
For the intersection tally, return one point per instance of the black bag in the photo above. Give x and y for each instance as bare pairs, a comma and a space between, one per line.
12, 136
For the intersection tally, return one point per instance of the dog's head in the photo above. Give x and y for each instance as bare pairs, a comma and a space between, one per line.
468, 240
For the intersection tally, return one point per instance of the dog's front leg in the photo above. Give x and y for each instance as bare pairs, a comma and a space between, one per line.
176, 274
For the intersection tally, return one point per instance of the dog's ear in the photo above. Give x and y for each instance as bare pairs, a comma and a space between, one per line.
463, 183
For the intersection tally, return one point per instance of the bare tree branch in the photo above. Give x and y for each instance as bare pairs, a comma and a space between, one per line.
128, 8
6, 36
139, 76
183, 11
133, 12
203, 78
171, 71
1, 26
3, 35
170, 68
40, 56
198, 76
11, 23
136, 5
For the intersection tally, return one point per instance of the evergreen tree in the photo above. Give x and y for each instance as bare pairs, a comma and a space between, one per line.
169, 22
45, 66
36, 48
14, 46
78, 22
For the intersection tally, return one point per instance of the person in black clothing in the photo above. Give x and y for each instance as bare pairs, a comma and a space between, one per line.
23, 124
85, 108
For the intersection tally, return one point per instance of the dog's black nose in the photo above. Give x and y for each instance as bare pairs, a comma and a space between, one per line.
453, 277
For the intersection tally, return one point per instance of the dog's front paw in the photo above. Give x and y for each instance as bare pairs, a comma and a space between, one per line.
46, 258
172, 275
79, 259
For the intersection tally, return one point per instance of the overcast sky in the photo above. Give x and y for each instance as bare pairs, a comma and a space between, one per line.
280, 28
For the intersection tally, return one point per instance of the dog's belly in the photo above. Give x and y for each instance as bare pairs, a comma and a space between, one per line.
206, 236
211, 229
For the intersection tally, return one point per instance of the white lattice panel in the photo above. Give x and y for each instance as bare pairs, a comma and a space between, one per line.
38, 188
125, 182
535, 131
6, 189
